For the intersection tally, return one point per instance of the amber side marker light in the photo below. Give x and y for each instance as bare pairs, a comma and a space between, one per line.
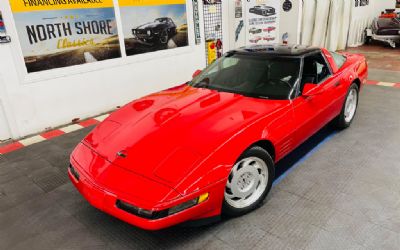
154, 215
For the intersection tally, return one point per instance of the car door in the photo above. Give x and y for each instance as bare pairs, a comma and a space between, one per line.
314, 112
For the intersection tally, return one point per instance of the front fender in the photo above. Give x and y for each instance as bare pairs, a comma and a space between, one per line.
217, 166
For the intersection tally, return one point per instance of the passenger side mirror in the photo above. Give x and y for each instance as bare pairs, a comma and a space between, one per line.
311, 89
196, 73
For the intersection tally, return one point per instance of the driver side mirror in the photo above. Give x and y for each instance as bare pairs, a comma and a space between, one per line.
196, 73
311, 89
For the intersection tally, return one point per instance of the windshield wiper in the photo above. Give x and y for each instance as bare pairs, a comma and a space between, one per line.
255, 96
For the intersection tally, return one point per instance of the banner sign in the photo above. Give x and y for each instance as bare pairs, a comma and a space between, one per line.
262, 21
61, 33
152, 25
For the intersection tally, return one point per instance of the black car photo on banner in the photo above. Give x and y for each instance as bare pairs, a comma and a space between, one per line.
150, 26
61, 34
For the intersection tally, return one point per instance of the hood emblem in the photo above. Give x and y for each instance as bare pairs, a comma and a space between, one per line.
122, 154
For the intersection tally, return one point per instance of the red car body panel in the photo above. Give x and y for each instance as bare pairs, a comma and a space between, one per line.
182, 142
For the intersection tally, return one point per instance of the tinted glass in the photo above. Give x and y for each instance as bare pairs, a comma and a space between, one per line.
315, 69
339, 59
249, 75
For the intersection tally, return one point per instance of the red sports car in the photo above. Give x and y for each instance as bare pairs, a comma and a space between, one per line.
208, 147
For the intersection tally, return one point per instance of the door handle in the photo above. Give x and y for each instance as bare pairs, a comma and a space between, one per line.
337, 84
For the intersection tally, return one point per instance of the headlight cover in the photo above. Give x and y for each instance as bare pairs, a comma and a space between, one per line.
154, 215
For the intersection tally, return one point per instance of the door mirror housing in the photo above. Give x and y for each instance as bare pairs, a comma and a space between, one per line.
311, 89
196, 73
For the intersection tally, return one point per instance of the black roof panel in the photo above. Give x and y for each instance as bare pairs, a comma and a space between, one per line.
278, 49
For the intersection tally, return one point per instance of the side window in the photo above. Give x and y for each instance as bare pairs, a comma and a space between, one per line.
339, 59
315, 69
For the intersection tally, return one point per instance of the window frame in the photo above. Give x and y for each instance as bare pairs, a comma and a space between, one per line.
299, 87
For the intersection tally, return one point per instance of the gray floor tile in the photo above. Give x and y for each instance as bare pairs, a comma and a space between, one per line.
239, 234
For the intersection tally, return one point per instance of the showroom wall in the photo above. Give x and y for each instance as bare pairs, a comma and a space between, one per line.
33, 102
335, 24
362, 17
289, 21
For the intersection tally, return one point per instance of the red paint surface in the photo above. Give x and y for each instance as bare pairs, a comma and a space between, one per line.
89, 123
52, 134
397, 85
372, 82
10, 147
182, 142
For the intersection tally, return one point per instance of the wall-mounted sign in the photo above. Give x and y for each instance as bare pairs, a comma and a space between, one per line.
56, 34
287, 5
152, 25
360, 3
196, 20
238, 9
262, 21
212, 12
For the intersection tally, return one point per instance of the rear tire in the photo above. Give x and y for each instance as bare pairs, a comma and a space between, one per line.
249, 182
349, 108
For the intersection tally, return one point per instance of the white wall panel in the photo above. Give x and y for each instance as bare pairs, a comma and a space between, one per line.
321, 20
52, 98
308, 20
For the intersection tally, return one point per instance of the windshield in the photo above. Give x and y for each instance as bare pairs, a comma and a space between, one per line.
250, 75
161, 20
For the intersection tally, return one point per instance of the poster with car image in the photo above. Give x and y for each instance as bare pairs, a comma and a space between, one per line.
262, 21
2, 26
153, 25
57, 34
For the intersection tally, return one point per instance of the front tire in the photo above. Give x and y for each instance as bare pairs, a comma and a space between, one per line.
248, 183
349, 109
164, 37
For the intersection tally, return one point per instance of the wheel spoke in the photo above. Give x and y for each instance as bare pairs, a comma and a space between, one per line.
246, 183
229, 196
228, 184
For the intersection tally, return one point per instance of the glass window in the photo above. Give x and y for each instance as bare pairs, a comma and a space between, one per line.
251, 75
315, 69
339, 59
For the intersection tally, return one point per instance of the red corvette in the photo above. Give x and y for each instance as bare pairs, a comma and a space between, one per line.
208, 147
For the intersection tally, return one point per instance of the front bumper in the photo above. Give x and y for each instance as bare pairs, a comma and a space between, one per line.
107, 202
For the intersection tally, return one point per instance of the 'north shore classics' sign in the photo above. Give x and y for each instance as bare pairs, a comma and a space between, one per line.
61, 33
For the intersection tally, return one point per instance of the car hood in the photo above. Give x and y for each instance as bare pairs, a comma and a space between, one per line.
150, 25
165, 135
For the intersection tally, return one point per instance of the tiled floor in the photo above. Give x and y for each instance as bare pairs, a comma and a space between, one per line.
346, 195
